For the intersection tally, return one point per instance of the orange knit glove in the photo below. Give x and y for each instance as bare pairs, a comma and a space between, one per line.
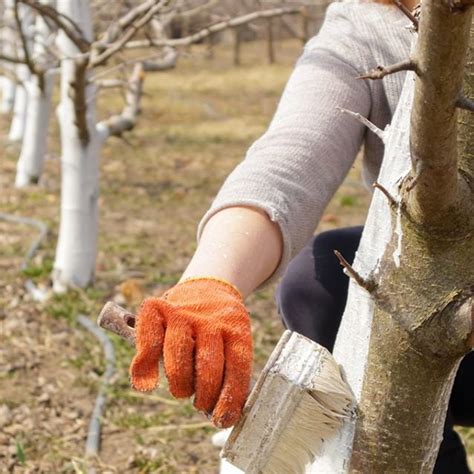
202, 329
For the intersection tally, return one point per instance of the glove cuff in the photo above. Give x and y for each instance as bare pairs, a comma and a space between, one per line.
221, 281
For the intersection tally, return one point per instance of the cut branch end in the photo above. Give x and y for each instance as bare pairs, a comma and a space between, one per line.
368, 284
381, 71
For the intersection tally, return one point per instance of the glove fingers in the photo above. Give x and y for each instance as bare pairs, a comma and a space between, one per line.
209, 360
143, 371
238, 370
178, 359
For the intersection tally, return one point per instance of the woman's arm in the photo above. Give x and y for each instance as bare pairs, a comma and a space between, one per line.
240, 245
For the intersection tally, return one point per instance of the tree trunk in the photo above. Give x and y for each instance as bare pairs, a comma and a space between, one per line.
7, 42
80, 149
401, 342
39, 88
270, 42
33, 150
8, 95
18, 122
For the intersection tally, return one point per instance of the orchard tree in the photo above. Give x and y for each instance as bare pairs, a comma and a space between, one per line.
83, 56
409, 316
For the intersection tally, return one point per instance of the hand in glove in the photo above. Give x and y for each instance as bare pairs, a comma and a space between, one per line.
202, 330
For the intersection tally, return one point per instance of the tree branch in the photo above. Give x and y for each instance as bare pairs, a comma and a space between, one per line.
68, 26
458, 6
118, 124
210, 30
381, 71
132, 23
23, 39
407, 12
368, 285
372, 127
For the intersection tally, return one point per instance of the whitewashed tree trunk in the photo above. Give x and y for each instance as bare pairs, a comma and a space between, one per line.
17, 128
402, 337
7, 42
80, 148
352, 343
39, 90
33, 150
8, 95
18, 122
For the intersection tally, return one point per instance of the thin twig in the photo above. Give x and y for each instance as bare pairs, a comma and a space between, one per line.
154, 6
407, 12
63, 22
393, 202
381, 71
372, 127
465, 103
368, 285
24, 41
210, 30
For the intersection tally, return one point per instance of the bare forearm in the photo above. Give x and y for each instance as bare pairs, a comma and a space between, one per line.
239, 244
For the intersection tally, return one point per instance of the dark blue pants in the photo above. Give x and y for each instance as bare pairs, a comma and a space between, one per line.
311, 300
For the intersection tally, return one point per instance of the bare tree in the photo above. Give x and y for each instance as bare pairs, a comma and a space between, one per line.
409, 317
83, 57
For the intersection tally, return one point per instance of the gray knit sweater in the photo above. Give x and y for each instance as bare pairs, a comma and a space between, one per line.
294, 169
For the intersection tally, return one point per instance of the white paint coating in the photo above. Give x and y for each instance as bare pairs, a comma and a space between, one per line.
30, 163
351, 348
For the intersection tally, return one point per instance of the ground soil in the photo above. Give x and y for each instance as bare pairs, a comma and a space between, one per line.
196, 124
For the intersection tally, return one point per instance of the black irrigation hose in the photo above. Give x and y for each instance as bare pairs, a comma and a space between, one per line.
93, 435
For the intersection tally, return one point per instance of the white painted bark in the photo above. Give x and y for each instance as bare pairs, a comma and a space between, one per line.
33, 150
18, 122
17, 128
352, 343
8, 95
7, 47
39, 92
77, 242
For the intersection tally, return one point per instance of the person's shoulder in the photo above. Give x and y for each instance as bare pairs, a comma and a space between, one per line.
360, 30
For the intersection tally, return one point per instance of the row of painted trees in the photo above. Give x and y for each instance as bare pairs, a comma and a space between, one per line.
46, 39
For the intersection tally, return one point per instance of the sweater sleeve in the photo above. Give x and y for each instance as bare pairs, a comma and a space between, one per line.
294, 169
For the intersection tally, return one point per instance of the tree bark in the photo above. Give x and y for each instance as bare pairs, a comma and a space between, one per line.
39, 88
7, 42
18, 122
400, 346
8, 95
80, 148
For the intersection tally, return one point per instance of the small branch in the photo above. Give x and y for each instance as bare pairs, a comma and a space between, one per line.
24, 41
118, 320
220, 26
11, 59
118, 124
164, 63
407, 12
68, 26
368, 285
154, 6
393, 202
459, 6
110, 84
381, 71
464, 103
372, 127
